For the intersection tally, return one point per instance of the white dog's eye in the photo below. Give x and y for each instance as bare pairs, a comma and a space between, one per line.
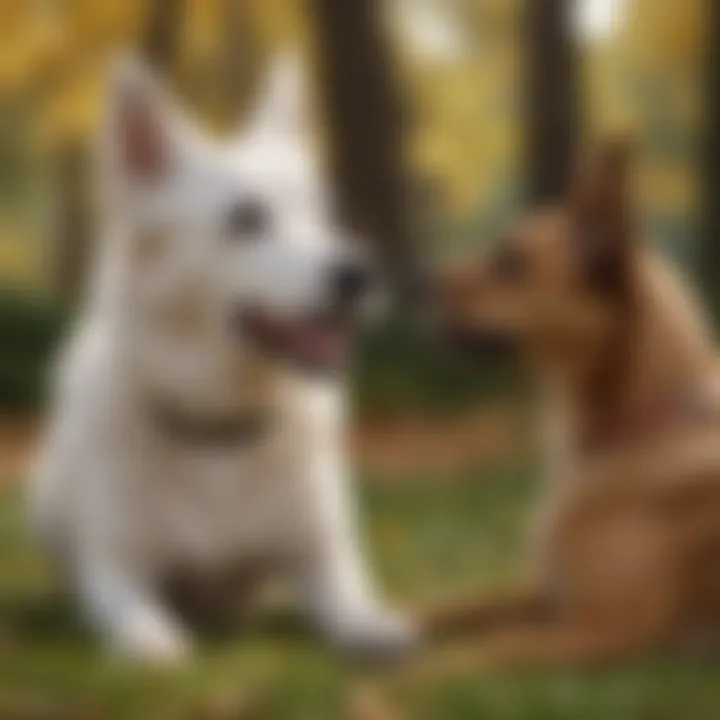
248, 218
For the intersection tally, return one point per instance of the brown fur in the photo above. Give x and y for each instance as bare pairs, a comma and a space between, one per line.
627, 550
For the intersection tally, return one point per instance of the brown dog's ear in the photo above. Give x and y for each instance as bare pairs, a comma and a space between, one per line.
601, 212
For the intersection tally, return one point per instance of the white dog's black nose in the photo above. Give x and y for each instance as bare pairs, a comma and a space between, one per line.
351, 282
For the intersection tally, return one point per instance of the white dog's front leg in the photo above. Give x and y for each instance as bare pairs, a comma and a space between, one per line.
126, 611
334, 579
342, 605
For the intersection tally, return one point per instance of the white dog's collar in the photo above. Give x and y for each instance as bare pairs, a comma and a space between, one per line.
239, 429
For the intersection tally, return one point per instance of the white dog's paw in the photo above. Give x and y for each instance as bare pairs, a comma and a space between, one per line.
377, 634
152, 639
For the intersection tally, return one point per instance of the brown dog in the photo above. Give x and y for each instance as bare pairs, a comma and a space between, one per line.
628, 549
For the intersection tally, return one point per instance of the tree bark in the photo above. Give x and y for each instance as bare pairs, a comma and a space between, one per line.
222, 86
366, 125
159, 43
551, 112
709, 167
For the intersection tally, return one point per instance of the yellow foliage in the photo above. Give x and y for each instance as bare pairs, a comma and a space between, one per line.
19, 258
202, 24
666, 33
281, 21
465, 134
668, 187
72, 111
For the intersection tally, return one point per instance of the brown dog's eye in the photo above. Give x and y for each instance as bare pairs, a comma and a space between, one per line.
248, 219
509, 264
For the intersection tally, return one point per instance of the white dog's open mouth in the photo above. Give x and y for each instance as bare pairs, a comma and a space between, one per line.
317, 342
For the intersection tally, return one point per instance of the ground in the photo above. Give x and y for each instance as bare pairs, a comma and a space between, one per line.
454, 534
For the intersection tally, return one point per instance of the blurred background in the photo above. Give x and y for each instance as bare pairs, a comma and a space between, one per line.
438, 120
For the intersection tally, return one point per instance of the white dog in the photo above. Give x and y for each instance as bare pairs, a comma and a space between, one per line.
199, 409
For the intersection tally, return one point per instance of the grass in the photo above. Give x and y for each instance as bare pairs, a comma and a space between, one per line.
450, 536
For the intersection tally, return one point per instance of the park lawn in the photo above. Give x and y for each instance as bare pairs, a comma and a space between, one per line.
451, 535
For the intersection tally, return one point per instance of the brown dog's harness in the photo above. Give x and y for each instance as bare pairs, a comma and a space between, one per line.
651, 421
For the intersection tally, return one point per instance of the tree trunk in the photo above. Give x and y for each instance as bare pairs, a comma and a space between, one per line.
551, 109
366, 126
159, 44
222, 85
709, 161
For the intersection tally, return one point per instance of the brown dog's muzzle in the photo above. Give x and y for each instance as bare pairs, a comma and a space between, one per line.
458, 300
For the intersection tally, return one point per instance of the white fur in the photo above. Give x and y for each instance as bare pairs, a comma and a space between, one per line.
117, 499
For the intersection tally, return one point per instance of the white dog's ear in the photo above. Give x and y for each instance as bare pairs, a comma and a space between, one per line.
144, 130
280, 109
